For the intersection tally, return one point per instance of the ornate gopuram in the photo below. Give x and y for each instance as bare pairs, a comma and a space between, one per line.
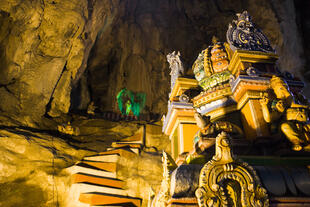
239, 129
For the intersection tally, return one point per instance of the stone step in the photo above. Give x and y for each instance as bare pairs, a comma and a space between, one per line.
92, 171
135, 150
103, 158
88, 187
126, 144
105, 199
123, 152
99, 180
137, 137
188, 202
74, 195
106, 166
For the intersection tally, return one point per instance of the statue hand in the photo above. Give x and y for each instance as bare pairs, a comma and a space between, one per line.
264, 101
264, 98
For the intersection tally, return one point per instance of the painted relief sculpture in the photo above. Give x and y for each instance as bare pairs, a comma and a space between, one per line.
211, 129
247, 104
210, 68
243, 34
205, 137
294, 120
208, 131
226, 181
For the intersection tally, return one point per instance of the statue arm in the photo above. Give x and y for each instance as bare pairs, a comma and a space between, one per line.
266, 112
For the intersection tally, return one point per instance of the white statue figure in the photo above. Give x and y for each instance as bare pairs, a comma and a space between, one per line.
176, 66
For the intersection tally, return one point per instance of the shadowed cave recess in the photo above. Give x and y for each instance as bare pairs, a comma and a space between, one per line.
63, 62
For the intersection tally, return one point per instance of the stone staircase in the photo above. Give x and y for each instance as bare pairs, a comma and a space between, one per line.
95, 181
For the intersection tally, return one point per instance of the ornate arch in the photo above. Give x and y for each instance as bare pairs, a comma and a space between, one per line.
226, 181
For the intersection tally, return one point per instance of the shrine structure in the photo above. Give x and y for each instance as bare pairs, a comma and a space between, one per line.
239, 130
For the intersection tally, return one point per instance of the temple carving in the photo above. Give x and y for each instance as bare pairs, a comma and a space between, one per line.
226, 181
239, 130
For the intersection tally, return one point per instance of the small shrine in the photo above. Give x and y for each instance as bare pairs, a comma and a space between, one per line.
239, 129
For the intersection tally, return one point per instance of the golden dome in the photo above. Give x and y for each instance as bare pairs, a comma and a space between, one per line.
211, 61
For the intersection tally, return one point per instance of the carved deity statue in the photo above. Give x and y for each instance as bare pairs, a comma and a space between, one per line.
294, 120
175, 63
205, 137
211, 129
176, 66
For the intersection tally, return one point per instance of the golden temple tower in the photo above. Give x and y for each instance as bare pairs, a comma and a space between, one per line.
246, 108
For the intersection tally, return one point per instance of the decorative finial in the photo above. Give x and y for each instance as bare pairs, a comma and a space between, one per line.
243, 34
176, 66
223, 149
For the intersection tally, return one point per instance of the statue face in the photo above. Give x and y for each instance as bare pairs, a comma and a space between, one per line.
280, 106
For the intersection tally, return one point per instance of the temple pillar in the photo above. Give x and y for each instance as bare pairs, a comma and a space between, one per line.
248, 86
179, 123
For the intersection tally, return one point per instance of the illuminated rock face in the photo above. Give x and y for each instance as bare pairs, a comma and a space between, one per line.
32, 168
36, 166
45, 47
